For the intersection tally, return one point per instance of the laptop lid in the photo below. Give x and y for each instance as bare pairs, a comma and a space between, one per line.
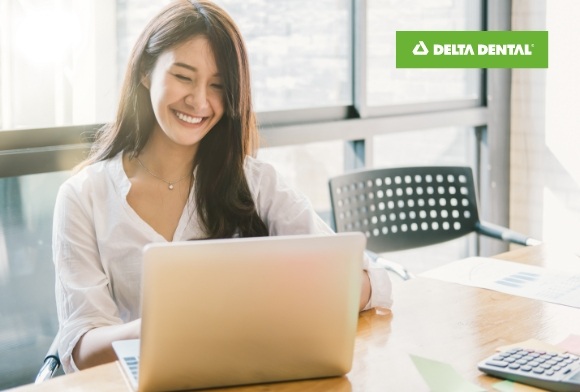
251, 310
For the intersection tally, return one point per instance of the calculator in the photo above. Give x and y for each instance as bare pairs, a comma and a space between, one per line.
546, 370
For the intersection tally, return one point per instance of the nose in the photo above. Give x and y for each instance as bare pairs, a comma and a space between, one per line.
197, 98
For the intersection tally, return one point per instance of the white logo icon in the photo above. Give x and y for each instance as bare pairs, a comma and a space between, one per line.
420, 49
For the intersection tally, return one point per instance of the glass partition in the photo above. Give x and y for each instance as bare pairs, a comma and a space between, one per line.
28, 321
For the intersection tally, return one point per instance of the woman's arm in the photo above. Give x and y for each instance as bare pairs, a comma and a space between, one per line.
94, 347
83, 296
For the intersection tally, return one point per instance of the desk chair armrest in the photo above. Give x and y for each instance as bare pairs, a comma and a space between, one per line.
51, 363
389, 265
505, 234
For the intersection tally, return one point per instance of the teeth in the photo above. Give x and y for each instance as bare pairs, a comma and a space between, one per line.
189, 119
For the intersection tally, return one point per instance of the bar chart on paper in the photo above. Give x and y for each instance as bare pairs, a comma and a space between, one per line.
512, 278
519, 279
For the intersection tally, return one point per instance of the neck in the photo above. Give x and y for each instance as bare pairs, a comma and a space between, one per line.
169, 161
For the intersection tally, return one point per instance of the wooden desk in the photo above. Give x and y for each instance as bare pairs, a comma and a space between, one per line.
455, 324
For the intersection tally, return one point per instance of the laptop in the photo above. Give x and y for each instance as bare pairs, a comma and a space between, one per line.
242, 311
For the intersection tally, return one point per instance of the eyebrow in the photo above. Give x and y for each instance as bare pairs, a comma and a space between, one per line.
191, 68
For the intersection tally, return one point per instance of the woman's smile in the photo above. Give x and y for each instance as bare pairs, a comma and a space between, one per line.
189, 119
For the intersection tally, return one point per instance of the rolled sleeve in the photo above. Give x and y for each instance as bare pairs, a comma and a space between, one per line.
381, 289
381, 286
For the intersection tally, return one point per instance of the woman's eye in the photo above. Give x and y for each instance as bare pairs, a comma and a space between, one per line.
182, 77
217, 86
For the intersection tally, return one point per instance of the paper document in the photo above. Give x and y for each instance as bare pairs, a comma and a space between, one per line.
512, 278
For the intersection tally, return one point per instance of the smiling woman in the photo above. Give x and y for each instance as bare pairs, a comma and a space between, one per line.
67, 70
177, 164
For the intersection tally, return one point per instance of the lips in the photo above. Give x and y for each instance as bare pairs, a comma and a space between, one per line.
188, 119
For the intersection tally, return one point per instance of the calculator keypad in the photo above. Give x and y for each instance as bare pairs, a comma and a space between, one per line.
539, 363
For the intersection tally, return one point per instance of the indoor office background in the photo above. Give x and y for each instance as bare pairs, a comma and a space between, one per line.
329, 100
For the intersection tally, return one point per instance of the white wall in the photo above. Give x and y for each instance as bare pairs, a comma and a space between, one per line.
545, 141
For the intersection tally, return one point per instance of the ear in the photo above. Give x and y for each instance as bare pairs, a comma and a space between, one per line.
145, 81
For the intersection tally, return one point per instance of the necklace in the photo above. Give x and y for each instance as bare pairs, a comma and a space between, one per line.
170, 184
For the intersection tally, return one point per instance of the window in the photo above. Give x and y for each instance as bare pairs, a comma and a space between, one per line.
387, 85
57, 63
300, 51
62, 61
307, 168
429, 147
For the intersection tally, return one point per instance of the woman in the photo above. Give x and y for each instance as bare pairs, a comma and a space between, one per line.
175, 165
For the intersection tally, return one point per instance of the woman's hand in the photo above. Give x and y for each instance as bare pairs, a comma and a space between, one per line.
365, 294
94, 347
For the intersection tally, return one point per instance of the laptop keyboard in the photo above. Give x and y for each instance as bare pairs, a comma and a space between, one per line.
133, 365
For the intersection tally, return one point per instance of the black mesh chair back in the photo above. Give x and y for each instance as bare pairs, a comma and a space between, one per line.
409, 207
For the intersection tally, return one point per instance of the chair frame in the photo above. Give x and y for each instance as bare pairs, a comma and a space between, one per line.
51, 363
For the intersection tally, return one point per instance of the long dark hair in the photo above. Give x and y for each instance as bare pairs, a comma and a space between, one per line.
224, 203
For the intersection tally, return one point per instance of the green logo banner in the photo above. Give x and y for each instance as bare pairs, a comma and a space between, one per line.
472, 49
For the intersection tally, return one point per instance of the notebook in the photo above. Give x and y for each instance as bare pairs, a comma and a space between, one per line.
245, 311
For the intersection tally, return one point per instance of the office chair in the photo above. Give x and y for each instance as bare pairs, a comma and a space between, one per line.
51, 363
410, 207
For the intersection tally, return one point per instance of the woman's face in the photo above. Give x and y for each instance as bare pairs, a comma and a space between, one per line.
186, 91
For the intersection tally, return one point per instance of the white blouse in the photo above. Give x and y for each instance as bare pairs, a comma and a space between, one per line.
98, 240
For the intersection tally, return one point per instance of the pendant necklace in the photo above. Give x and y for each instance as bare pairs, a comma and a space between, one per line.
170, 184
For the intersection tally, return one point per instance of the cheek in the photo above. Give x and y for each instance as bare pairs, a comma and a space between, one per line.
217, 102
163, 90
155, 98
156, 92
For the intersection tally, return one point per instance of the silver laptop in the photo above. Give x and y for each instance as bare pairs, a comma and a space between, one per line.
245, 311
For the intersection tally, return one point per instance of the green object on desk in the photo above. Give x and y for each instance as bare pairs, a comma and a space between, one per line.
504, 386
442, 377
510, 386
